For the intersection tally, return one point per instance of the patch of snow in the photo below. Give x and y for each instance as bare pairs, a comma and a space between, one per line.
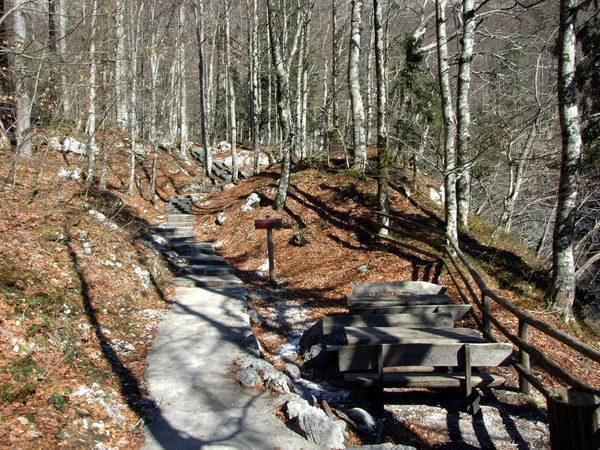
252, 201
142, 274
71, 174
103, 219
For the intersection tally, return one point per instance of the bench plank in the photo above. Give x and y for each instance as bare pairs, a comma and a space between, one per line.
362, 358
401, 335
423, 380
336, 324
412, 287
457, 311
365, 301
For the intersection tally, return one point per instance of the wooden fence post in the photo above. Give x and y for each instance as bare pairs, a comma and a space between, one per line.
524, 385
486, 315
574, 420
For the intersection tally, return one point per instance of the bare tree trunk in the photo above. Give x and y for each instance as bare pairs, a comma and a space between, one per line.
369, 122
135, 37
231, 89
382, 135
65, 92
22, 97
199, 15
154, 66
254, 65
563, 266
463, 185
120, 77
358, 112
183, 116
91, 122
335, 62
304, 153
283, 110
449, 123
517, 167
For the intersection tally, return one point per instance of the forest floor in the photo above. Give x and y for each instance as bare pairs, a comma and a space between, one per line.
83, 287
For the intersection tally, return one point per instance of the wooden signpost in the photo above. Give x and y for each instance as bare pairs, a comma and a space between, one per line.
269, 225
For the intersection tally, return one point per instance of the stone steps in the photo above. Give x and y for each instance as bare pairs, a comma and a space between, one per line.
192, 280
202, 267
205, 259
208, 270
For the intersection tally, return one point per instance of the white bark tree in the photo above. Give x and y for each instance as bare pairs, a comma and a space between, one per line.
91, 119
182, 64
283, 110
358, 112
23, 99
120, 65
463, 186
235, 165
563, 266
383, 202
449, 123
200, 35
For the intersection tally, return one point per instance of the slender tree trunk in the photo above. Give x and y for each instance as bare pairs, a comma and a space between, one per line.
304, 153
369, 122
120, 70
91, 122
231, 89
449, 123
65, 92
335, 61
254, 64
382, 135
22, 97
283, 111
563, 266
183, 115
463, 185
199, 15
154, 66
516, 175
358, 112
135, 36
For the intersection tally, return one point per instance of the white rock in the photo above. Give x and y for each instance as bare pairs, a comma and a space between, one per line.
252, 201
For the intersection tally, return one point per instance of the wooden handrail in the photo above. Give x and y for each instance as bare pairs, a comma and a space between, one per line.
452, 252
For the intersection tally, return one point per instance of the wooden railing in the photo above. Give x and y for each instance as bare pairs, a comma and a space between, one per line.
479, 295
574, 413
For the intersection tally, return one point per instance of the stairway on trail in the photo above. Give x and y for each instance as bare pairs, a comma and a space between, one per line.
200, 266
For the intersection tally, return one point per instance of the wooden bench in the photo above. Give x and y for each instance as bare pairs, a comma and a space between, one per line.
380, 358
409, 287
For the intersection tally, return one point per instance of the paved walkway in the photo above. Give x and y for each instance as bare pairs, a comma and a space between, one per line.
190, 377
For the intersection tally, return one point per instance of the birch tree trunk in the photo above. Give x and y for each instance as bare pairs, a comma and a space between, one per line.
65, 93
563, 266
254, 68
120, 77
463, 185
183, 116
91, 120
283, 111
154, 66
22, 98
358, 112
369, 120
199, 19
449, 123
382, 135
135, 37
231, 89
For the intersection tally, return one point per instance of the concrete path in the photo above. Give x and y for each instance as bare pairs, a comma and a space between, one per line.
191, 376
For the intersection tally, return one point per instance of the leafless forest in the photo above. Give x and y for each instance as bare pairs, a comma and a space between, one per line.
495, 99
